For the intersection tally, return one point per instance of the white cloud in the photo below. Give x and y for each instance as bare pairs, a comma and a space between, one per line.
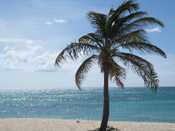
15, 40
60, 21
48, 23
156, 29
8, 48
30, 58
56, 20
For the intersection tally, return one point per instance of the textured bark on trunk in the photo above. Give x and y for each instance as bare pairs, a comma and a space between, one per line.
106, 99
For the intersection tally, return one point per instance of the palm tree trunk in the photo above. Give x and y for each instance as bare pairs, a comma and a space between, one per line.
106, 99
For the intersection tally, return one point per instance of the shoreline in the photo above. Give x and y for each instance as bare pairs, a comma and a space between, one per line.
38, 124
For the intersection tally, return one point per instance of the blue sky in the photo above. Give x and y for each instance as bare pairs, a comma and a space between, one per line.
32, 33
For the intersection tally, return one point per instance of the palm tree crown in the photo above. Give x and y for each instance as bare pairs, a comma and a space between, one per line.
120, 30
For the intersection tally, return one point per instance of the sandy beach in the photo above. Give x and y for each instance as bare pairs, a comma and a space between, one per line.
77, 125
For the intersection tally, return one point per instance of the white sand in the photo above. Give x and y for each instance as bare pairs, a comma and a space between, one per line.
73, 125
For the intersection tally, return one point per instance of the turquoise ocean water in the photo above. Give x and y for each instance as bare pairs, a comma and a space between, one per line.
131, 104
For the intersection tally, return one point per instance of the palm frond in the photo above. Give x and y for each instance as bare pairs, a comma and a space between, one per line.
74, 50
83, 69
116, 73
142, 47
133, 16
142, 67
115, 15
129, 56
122, 22
127, 6
117, 69
141, 23
98, 21
92, 38
119, 82
138, 35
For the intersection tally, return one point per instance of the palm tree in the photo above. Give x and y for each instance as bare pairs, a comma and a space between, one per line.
117, 35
